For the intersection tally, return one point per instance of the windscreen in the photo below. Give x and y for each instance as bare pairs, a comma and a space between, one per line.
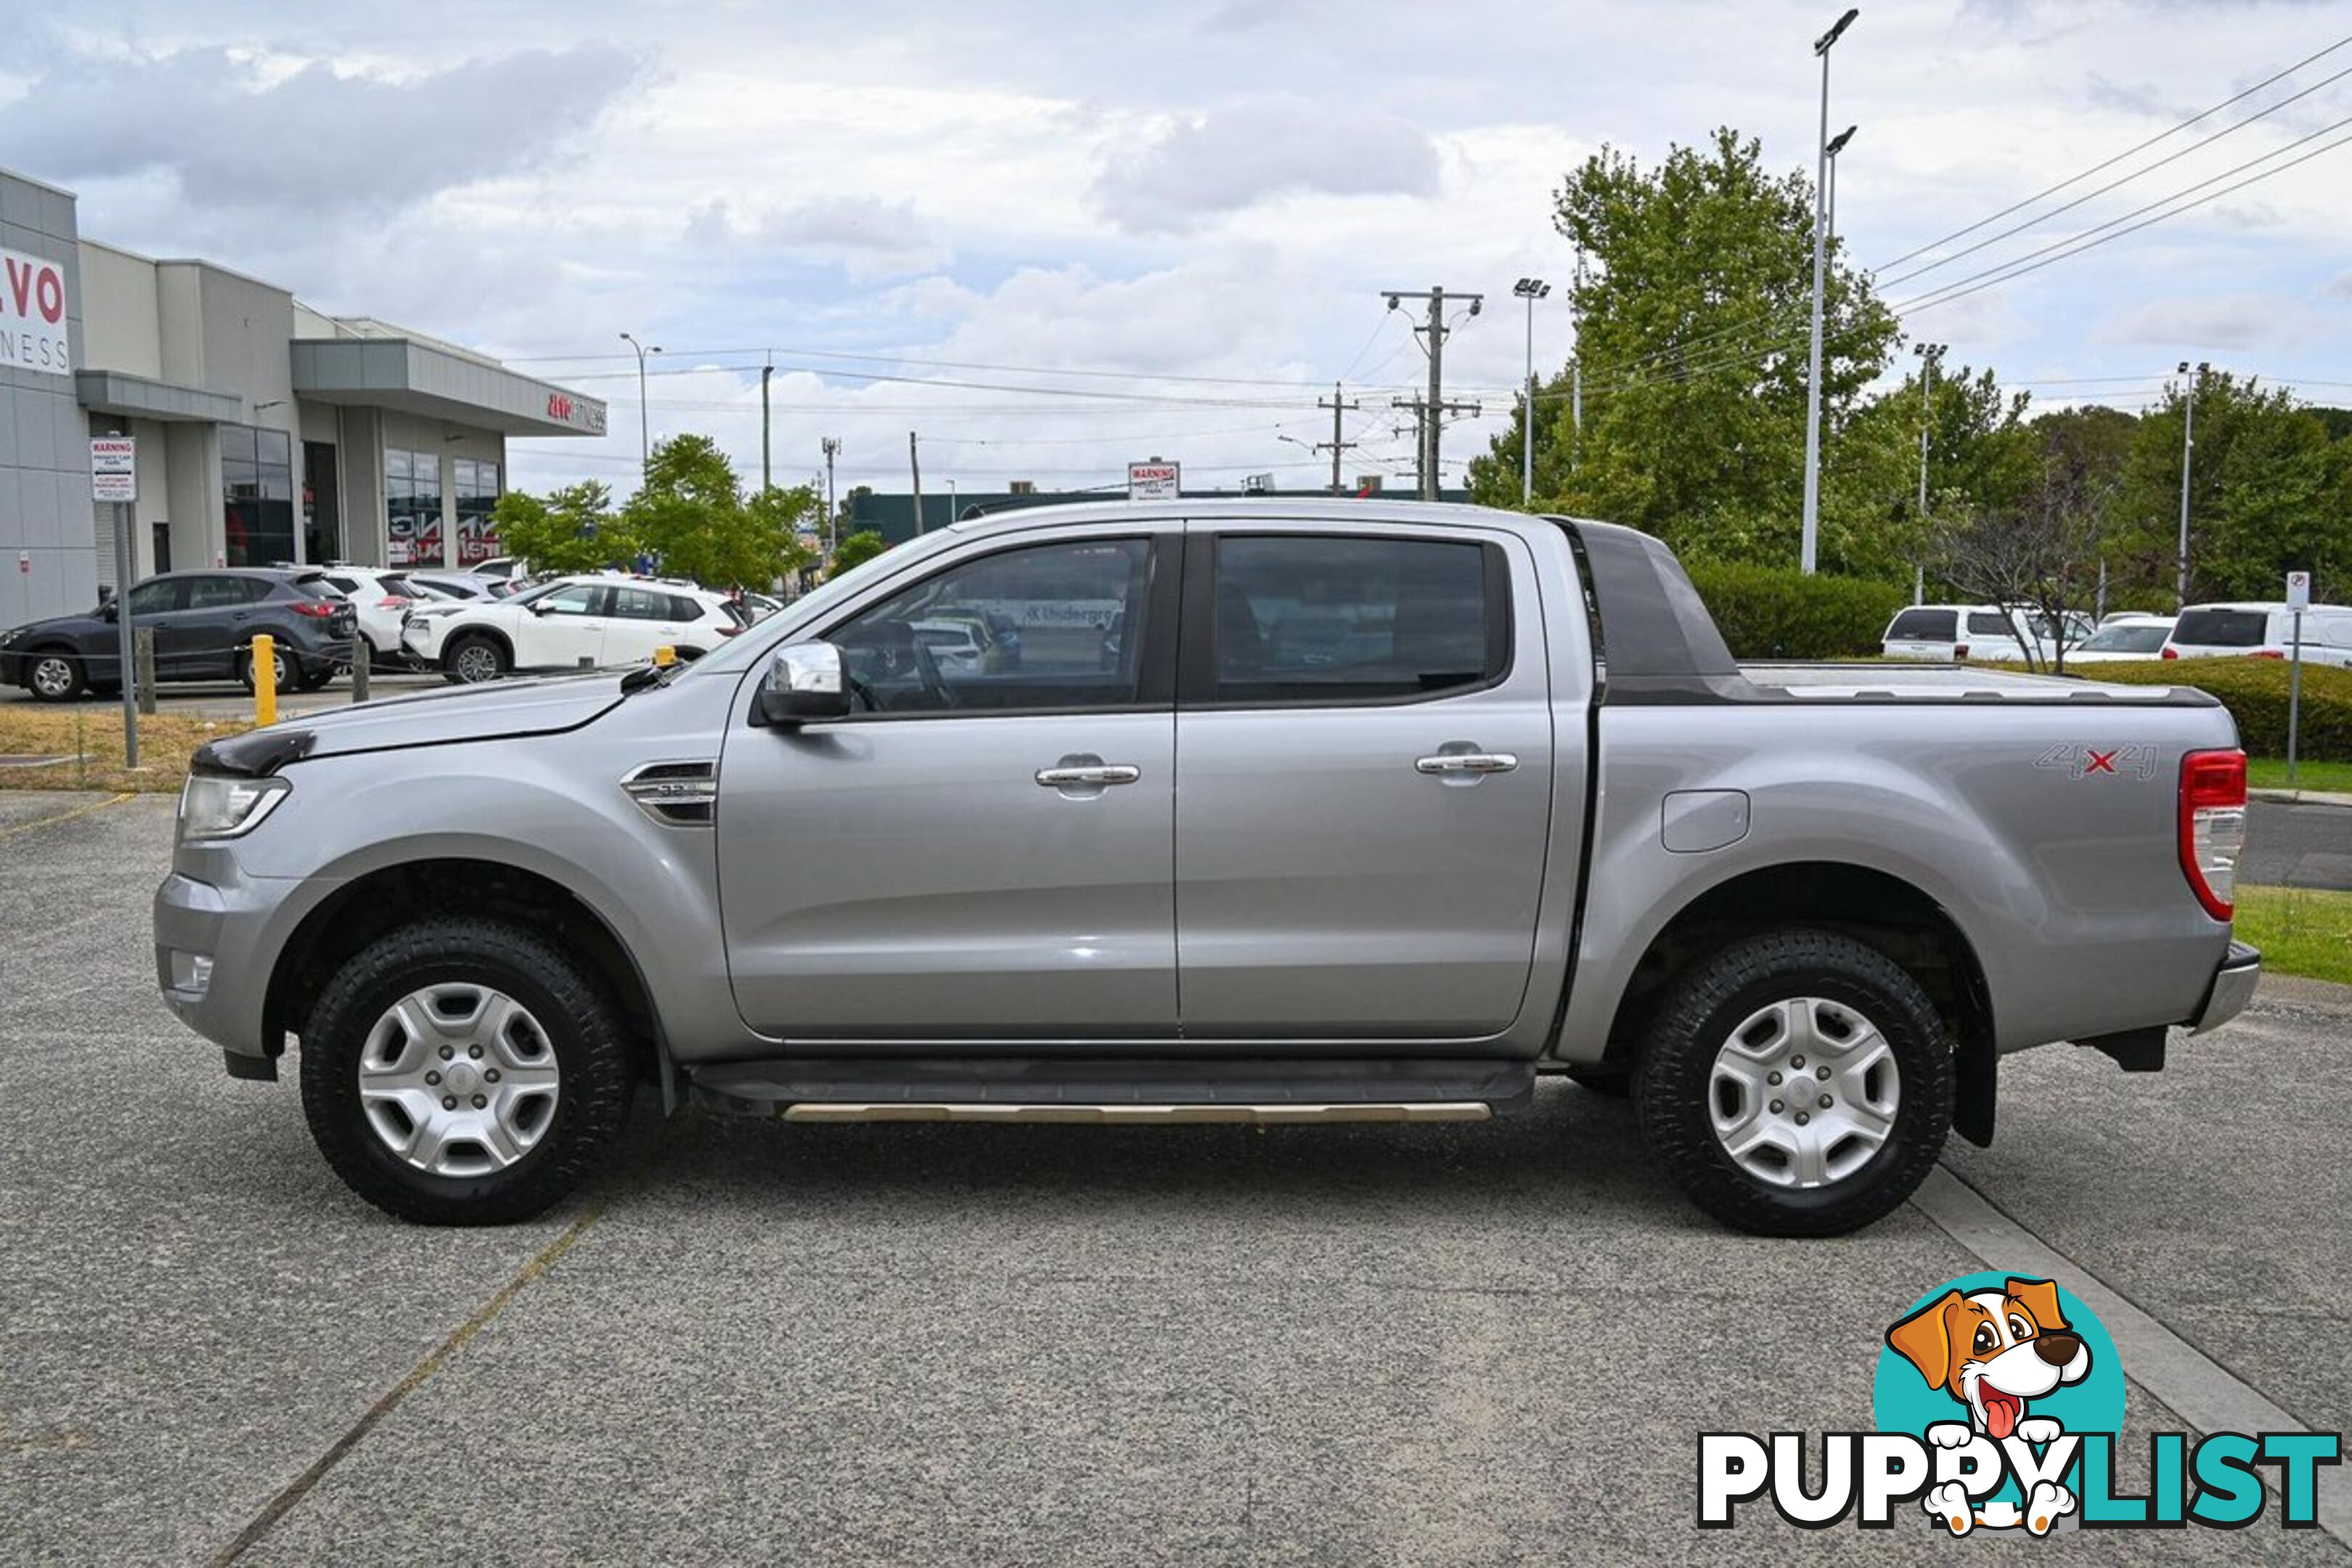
2128, 640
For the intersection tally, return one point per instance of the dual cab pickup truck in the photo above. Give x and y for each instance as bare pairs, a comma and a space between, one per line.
1271, 811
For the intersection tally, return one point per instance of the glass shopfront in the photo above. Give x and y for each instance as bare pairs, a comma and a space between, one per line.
478, 493
412, 505
257, 495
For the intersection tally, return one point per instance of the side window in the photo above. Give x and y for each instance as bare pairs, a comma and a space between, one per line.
640, 605
1323, 618
579, 599
1046, 627
156, 597
217, 593
1993, 623
682, 608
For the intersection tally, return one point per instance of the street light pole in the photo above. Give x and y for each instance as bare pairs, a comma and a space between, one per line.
1835, 148
2187, 446
645, 427
1531, 289
1929, 355
1810, 546
832, 449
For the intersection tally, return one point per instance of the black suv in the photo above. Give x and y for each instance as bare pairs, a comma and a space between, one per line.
204, 624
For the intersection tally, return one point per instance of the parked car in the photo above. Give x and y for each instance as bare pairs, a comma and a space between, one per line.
381, 599
571, 623
1981, 634
500, 566
204, 623
450, 585
2122, 638
2258, 629
1801, 915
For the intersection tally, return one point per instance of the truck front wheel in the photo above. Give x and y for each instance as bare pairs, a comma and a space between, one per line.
464, 1071
1797, 1083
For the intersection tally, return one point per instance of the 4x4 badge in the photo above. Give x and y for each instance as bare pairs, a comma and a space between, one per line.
2116, 761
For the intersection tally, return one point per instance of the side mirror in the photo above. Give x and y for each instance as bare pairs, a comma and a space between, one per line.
111, 610
804, 684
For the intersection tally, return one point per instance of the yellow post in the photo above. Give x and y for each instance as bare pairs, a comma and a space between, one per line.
664, 656
263, 665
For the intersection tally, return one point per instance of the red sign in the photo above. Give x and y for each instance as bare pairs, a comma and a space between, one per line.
558, 406
33, 314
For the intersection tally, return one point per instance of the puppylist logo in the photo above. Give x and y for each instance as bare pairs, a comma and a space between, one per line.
1997, 1405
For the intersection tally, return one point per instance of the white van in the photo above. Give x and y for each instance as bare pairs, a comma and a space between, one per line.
1944, 634
2261, 629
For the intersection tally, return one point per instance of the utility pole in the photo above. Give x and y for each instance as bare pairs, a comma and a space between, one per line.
1930, 356
2187, 444
1810, 547
1336, 446
1432, 409
767, 473
832, 449
645, 428
915, 466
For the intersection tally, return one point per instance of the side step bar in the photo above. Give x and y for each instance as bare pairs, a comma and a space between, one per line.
1116, 1091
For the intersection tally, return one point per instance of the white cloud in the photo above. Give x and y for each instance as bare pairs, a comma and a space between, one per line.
1197, 168
867, 238
2190, 323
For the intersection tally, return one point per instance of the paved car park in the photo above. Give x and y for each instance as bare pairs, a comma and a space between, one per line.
228, 700
758, 1342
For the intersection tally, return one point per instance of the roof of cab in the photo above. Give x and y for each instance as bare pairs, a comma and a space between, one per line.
1277, 508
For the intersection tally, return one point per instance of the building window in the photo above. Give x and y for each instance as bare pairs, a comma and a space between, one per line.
477, 493
257, 495
412, 509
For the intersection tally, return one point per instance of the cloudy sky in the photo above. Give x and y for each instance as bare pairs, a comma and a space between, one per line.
1052, 236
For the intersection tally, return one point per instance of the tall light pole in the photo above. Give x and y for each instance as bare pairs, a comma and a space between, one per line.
1930, 356
1531, 289
2187, 444
1836, 147
1811, 548
645, 426
832, 449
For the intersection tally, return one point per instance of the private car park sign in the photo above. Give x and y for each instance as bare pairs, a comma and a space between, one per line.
113, 468
33, 314
1154, 482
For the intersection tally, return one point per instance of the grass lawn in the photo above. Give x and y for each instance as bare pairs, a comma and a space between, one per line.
89, 738
2269, 772
2300, 932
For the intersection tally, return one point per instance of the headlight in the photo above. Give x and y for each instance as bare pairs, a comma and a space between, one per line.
217, 807
11, 635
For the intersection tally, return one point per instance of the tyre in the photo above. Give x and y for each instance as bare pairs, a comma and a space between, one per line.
53, 676
1610, 1083
1797, 1083
281, 667
474, 658
463, 1070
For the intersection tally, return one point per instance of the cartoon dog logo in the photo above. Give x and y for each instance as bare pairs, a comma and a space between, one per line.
1993, 1351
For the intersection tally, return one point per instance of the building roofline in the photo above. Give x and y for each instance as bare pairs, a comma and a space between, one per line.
36, 180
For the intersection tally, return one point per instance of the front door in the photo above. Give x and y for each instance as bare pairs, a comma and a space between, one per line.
981, 851
1365, 753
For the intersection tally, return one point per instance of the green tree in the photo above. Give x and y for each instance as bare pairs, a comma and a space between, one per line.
1692, 326
573, 528
691, 514
858, 550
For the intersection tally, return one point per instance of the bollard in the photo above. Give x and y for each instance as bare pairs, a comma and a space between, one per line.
142, 665
261, 661
664, 656
361, 657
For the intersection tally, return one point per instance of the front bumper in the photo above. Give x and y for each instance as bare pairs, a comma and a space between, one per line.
218, 935
2232, 988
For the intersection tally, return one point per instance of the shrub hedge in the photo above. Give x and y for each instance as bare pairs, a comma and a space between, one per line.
1769, 612
2254, 691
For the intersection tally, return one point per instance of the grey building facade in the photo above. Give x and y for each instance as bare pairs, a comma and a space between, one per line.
266, 431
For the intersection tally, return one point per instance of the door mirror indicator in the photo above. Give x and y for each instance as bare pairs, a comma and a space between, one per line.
804, 683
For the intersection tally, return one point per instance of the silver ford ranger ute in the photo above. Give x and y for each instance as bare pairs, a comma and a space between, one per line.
1275, 811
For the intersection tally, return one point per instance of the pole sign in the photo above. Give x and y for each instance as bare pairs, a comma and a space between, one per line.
1154, 482
2298, 590
113, 468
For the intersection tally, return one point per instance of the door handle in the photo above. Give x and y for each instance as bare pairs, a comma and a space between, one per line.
1092, 773
1467, 763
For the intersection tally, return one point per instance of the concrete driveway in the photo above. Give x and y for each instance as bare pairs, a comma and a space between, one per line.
755, 1343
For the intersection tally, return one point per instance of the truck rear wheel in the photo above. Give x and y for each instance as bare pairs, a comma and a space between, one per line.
1797, 1083
464, 1071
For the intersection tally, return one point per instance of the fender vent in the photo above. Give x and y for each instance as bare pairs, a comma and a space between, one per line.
682, 794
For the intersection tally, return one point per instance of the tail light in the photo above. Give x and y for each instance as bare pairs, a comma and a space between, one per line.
1959, 650
316, 609
394, 602
2213, 826
2169, 652
728, 631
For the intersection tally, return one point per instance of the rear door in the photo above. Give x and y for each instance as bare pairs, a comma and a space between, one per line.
1364, 746
217, 621
562, 629
638, 621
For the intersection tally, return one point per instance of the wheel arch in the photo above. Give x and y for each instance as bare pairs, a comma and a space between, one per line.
495, 635
381, 900
1877, 908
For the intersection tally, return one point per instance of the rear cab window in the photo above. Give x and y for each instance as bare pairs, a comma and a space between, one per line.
2222, 629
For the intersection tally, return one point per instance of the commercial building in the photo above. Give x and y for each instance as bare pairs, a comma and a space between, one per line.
266, 431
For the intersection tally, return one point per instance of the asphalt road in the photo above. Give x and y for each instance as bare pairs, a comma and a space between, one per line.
2302, 845
755, 1343
228, 700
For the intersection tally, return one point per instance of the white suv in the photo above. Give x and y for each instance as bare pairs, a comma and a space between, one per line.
383, 600
571, 623
1975, 633
2259, 629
